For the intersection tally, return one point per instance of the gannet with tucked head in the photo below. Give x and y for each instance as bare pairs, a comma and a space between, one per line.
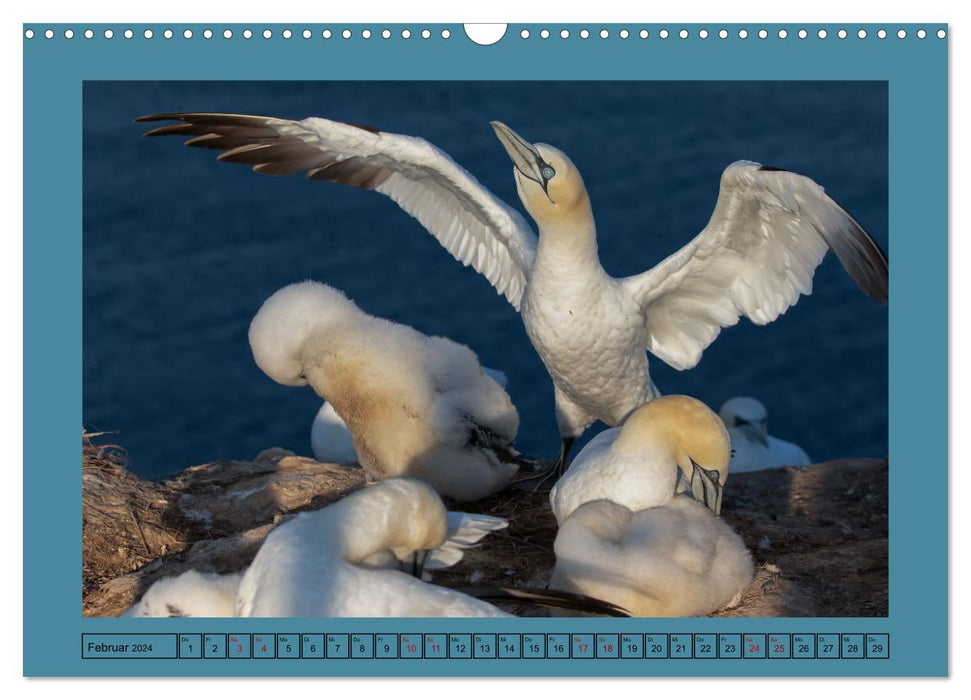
335, 562
345, 560
625, 535
672, 444
768, 233
330, 439
675, 560
360, 557
415, 405
752, 446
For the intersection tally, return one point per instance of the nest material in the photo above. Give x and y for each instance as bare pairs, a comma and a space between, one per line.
818, 534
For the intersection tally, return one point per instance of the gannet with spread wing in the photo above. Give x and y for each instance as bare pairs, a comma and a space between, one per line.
768, 233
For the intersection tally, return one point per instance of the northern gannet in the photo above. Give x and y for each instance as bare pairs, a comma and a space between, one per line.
769, 231
672, 444
415, 405
345, 560
335, 562
752, 446
625, 533
331, 441
191, 594
675, 560
360, 557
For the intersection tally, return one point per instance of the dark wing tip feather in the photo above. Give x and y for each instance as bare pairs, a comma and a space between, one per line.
546, 597
255, 141
861, 257
773, 169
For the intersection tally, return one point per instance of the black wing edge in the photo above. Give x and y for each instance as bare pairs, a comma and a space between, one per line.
253, 141
862, 257
545, 597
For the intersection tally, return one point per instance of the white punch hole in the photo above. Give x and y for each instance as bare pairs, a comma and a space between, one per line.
485, 34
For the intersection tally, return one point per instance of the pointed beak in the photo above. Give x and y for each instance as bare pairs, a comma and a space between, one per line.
523, 154
706, 488
753, 432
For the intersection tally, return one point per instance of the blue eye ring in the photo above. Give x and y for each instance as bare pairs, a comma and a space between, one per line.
548, 172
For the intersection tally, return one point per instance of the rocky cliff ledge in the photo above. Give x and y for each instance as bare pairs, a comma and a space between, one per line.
818, 533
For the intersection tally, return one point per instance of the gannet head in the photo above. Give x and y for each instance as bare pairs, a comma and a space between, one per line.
548, 182
407, 514
748, 415
696, 436
280, 330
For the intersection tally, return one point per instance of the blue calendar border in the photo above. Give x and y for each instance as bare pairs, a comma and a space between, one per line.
916, 71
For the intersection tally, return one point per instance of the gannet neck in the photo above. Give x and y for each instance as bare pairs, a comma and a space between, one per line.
570, 240
401, 515
683, 425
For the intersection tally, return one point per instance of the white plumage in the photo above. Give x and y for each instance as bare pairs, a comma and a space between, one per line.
652, 456
331, 441
769, 231
415, 405
344, 560
752, 446
192, 594
628, 534
675, 560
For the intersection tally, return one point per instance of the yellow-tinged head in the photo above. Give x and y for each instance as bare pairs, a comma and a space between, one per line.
693, 431
549, 184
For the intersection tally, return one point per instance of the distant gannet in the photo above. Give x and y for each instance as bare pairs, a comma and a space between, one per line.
670, 445
752, 446
331, 441
626, 537
415, 405
768, 233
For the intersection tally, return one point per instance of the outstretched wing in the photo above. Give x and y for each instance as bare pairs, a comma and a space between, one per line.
476, 227
768, 233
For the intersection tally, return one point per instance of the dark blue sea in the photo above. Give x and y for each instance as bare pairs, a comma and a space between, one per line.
180, 250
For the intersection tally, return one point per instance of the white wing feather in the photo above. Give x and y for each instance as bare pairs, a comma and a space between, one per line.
477, 228
464, 530
768, 233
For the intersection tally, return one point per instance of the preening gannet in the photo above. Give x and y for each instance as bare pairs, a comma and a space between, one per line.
672, 444
331, 441
769, 231
415, 405
626, 536
360, 557
325, 563
345, 560
752, 446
